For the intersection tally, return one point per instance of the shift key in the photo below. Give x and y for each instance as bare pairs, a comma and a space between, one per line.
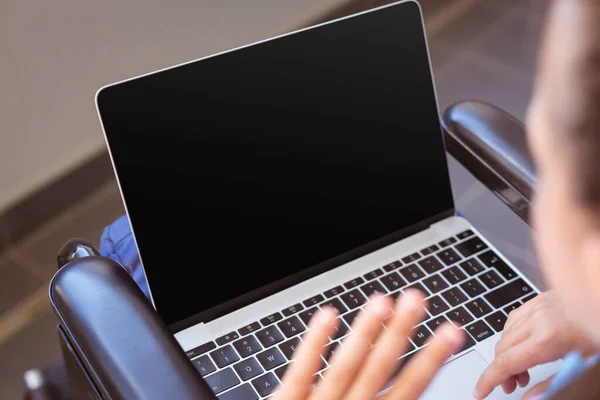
508, 293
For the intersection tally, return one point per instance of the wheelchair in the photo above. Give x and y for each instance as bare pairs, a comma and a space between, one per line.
114, 344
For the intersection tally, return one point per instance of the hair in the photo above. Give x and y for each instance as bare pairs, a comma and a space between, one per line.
569, 80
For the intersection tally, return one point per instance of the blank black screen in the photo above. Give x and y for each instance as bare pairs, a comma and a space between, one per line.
252, 166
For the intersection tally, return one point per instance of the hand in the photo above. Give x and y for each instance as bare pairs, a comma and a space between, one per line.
360, 372
535, 333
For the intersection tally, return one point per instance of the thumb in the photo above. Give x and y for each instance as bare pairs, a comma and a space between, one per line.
537, 390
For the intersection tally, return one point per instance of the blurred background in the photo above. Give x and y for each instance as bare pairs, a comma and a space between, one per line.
56, 181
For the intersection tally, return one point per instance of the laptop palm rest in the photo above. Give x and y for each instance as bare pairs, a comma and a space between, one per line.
457, 379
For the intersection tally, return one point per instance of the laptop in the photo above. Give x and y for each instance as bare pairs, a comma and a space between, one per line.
301, 171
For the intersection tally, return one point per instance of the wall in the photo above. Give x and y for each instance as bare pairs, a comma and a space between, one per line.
54, 55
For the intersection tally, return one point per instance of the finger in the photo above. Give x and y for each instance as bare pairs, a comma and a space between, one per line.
298, 379
509, 385
347, 361
517, 314
384, 358
538, 389
418, 373
513, 361
523, 379
511, 338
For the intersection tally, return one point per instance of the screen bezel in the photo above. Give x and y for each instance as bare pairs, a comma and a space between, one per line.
274, 287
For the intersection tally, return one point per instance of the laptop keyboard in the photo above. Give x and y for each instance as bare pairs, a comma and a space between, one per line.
464, 281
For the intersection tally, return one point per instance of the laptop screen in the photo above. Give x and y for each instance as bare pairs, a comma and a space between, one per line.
249, 171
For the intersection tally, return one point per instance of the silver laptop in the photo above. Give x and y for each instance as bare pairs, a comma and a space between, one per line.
305, 170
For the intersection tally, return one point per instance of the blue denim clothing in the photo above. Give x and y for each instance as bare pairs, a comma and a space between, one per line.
573, 364
117, 243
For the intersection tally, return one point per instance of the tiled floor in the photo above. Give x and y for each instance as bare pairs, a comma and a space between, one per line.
485, 50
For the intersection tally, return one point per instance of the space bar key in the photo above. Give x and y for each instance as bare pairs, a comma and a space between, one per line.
508, 293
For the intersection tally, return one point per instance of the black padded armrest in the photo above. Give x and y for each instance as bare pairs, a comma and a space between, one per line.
492, 145
123, 344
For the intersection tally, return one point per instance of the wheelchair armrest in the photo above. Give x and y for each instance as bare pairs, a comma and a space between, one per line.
124, 346
492, 145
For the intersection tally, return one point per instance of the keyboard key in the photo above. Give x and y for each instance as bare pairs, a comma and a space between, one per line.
249, 328
454, 275
269, 336
465, 234
340, 330
373, 274
472, 266
280, 372
430, 249
430, 264
313, 301
393, 281
460, 316
330, 350
420, 334
512, 307
473, 288
372, 288
411, 257
248, 369
271, 358
478, 307
449, 256
496, 320
247, 346
227, 338
288, 348
435, 283
454, 296
292, 310
305, 316
203, 348
491, 259
526, 299
491, 279
437, 305
224, 356
269, 319
480, 330
244, 392
392, 266
412, 273
470, 247
222, 380
436, 323
336, 304
408, 348
354, 283
394, 295
419, 287
447, 242
333, 291
349, 318
291, 326
204, 365
265, 384
353, 299
508, 293
469, 342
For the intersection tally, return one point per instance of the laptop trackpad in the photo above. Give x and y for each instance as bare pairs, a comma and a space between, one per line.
457, 379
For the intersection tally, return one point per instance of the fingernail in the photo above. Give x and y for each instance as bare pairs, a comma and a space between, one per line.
413, 299
454, 335
476, 394
321, 318
380, 307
